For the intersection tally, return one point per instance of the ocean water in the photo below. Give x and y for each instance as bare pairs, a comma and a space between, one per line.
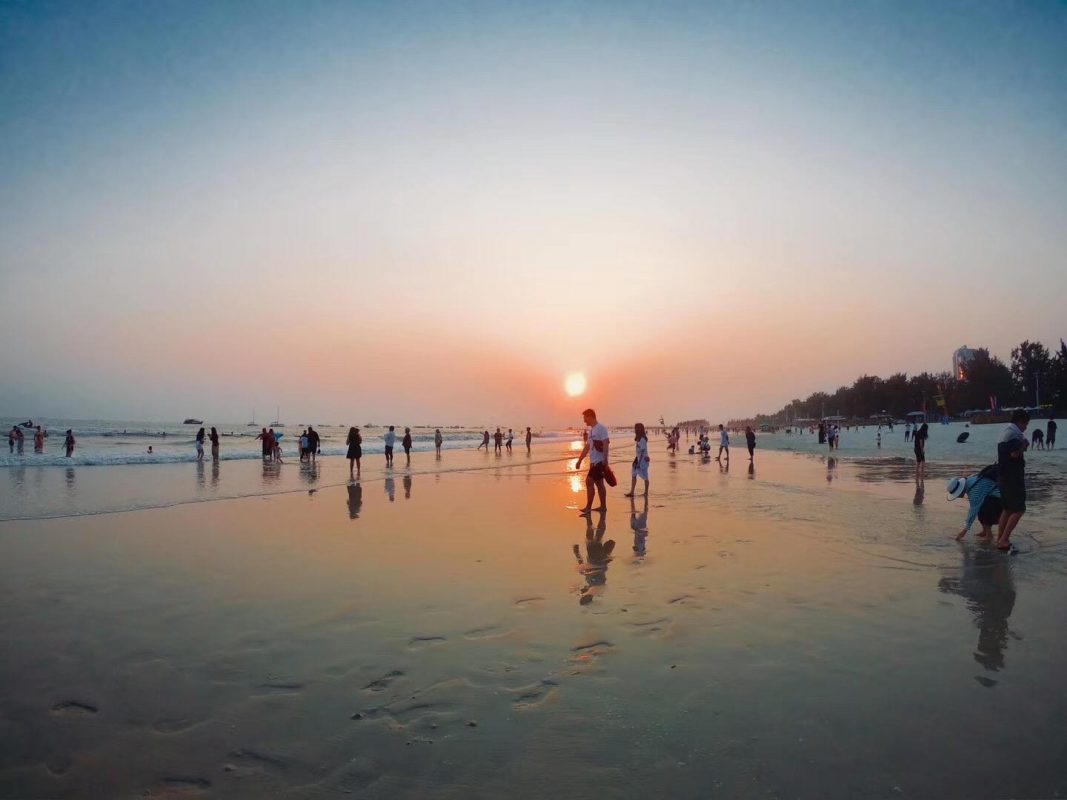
111, 470
114, 442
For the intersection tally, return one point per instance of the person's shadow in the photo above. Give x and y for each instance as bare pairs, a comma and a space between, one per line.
639, 525
594, 568
985, 582
355, 500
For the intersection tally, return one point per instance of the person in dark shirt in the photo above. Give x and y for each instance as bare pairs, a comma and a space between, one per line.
750, 440
1050, 434
406, 441
313, 443
214, 438
498, 441
918, 441
1012, 476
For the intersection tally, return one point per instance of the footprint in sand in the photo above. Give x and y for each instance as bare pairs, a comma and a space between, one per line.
175, 725
73, 707
421, 642
488, 632
178, 786
535, 695
280, 688
530, 602
382, 683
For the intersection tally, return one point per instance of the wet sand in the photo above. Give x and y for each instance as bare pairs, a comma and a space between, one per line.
773, 635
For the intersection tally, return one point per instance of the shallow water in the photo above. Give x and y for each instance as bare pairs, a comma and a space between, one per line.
772, 634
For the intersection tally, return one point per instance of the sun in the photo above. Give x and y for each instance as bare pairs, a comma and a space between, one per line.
574, 384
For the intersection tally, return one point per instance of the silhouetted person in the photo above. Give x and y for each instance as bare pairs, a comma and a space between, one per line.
1050, 434
529, 437
438, 440
69, 443
200, 445
1012, 476
485, 442
918, 443
406, 442
355, 450
498, 442
750, 440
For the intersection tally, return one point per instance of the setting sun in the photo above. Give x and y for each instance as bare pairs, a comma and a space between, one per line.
574, 384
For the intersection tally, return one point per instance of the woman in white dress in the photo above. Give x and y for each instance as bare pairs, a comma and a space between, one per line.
640, 466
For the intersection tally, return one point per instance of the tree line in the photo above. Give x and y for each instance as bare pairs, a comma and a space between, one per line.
1034, 375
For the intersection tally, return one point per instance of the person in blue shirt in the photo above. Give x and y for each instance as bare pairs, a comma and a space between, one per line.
983, 498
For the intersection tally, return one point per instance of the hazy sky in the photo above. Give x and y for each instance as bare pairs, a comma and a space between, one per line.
431, 212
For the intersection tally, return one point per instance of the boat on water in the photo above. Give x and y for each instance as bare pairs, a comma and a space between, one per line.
276, 424
191, 421
253, 423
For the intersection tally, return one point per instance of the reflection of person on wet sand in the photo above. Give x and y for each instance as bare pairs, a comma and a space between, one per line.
986, 584
407, 487
920, 493
831, 465
355, 500
639, 525
594, 568
390, 489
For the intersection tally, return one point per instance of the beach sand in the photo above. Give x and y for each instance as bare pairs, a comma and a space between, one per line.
773, 635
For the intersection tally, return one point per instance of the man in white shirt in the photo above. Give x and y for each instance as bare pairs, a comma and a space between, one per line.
597, 450
390, 441
724, 443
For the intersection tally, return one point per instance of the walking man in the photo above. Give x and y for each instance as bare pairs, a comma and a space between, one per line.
597, 449
724, 443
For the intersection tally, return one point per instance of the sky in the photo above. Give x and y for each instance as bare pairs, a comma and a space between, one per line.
433, 212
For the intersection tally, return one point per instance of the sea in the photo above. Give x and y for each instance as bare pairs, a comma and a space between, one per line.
111, 469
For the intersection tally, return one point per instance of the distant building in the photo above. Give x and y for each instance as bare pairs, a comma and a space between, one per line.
960, 359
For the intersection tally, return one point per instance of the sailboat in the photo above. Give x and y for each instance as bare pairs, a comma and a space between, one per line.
253, 423
277, 424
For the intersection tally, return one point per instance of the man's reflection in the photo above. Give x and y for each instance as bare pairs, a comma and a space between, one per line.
639, 525
831, 468
309, 471
594, 568
214, 474
985, 583
271, 473
920, 493
70, 480
355, 500
390, 488
751, 470
200, 482
407, 487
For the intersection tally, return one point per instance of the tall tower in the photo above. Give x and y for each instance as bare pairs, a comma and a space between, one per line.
960, 359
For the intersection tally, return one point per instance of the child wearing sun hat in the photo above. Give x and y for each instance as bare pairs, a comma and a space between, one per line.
983, 497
